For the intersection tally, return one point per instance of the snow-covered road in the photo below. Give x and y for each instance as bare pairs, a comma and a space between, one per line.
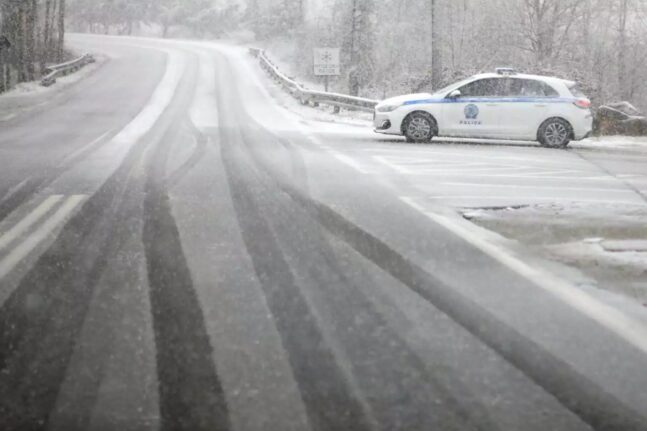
181, 250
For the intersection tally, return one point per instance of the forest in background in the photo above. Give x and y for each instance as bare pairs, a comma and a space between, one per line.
32, 34
388, 46
400, 46
164, 18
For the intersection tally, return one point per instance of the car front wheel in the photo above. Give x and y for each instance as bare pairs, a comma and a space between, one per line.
555, 133
419, 127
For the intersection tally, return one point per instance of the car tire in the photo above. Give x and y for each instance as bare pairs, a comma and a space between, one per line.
419, 127
555, 133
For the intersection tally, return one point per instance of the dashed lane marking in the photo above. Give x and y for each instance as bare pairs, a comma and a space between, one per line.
344, 159
83, 149
527, 200
29, 221
398, 168
22, 250
15, 189
533, 187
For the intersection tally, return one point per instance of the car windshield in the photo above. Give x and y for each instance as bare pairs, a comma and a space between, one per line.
251, 215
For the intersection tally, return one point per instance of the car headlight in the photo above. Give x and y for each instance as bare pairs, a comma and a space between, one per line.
388, 108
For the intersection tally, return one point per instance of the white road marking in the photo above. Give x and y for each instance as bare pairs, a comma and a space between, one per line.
518, 186
350, 162
204, 111
468, 175
415, 167
343, 158
463, 155
627, 328
29, 221
631, 176
15, 189
79, 151
156, 105
397, 168
534, 199
39, 235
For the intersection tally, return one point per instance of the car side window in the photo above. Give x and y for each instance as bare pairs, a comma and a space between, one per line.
489, 87
530, 88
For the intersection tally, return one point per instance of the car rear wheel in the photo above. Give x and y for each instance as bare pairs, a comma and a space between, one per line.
419, 127
555, 133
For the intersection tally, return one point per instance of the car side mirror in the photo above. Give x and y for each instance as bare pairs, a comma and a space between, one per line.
455, 94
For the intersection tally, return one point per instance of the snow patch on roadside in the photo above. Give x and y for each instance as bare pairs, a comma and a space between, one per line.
34, 87
595, 254
29, 95
613, 142
575, 235
280, 54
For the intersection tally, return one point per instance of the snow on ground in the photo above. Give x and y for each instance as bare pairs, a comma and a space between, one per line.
281, 53
614, 142
561, 232
575, 234
322, 115
29, 95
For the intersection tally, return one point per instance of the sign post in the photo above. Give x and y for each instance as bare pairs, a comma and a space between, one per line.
327, 63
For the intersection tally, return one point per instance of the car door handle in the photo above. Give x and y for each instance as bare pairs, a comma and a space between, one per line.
540, 105
491, 104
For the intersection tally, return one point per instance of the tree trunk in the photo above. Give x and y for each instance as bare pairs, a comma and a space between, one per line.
353, 84
623, 91
61, 29
436, 46
47, 37
30, 40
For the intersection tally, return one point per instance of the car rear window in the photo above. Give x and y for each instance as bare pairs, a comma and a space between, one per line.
576, 91
530, 88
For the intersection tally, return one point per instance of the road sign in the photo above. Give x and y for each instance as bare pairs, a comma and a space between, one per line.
326, 62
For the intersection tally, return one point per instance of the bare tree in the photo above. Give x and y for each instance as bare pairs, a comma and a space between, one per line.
436, 44
61, 29
622, 15
545, 25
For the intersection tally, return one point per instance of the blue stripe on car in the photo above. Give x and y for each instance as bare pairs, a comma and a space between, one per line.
494, 100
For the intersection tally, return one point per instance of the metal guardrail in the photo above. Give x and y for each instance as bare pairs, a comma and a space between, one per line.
63, 69
311, 97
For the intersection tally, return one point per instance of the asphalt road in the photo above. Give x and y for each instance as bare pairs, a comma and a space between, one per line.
178, 252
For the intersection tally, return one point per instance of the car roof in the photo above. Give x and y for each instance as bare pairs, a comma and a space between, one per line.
547, 79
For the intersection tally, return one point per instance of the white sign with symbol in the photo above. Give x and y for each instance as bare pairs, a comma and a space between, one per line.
327, 62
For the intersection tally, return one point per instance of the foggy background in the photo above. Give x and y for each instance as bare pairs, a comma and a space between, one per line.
389, 47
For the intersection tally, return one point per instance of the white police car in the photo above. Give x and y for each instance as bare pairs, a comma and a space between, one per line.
501, 105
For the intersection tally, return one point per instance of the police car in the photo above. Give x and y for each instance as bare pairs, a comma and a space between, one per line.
501, 105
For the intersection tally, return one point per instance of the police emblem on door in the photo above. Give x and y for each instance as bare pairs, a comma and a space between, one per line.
471, 112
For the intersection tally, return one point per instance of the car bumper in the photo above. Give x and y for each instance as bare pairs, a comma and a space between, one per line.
384, 123
583, 129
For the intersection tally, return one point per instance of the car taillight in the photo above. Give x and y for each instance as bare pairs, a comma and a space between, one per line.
583, 103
